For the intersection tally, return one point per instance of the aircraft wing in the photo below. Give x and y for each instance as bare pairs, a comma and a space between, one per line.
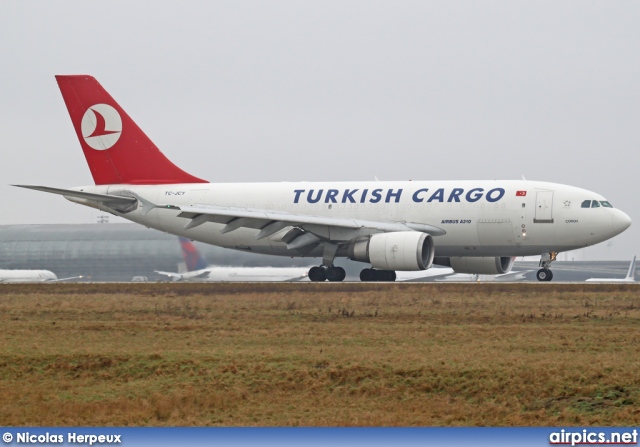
173, 276
297, 278
422, 275
311, 229
306, 230
512, 276
185, 276
466, 277
66, 279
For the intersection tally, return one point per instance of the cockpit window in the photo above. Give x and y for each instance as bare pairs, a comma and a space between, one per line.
595, 204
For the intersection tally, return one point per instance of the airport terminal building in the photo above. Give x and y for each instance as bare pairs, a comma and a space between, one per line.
111, 252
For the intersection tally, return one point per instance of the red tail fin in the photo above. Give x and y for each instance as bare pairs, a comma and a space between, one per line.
116, 149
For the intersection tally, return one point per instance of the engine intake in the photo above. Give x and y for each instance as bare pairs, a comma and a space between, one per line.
402, 250
478, 265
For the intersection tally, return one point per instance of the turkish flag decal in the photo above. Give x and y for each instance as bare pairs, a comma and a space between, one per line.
521, 193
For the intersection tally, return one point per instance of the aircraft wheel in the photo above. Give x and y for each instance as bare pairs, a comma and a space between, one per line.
386, 275
368, 275
544, 275
317, 274
336, 274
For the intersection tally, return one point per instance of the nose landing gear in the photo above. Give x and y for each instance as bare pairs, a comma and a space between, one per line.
544, 274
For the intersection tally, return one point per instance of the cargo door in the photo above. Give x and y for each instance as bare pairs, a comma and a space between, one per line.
544, 207
495, 233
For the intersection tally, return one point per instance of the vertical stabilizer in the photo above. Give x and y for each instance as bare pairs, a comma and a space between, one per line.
631, 274
191, 255
116, 149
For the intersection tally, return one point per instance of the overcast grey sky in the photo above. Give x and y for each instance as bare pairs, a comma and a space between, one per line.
242, 91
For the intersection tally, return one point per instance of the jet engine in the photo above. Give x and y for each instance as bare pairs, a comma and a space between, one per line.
479, 265
402, 250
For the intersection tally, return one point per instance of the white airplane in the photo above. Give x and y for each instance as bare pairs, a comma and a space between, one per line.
8, 276
198, 270
505, 277
434, 272
631, 275
476, 227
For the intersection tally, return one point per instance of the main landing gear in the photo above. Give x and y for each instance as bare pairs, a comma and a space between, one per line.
544, 274
337, 274
327, 271
377, 275
331, 273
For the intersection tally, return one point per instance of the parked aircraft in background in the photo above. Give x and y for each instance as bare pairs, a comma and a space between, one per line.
505, 277
631, 275
9, 276
475, 227
432, 273
27, 276
199, 270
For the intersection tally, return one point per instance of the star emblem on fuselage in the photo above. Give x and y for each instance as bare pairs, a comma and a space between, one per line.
567, 203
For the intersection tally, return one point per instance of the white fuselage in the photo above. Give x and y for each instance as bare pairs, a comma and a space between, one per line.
255, 274
434, 272
7, 276
481, 218
608, 280
466, 277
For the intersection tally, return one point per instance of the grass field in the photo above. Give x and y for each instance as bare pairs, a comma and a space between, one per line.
319, 354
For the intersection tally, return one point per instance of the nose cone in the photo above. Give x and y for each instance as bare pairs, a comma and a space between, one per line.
620, 221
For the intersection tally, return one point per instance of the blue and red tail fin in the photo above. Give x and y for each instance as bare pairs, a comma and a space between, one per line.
116, 149
191, 255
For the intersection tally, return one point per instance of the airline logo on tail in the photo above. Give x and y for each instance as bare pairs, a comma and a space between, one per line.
99, 123
101, 126
191, 255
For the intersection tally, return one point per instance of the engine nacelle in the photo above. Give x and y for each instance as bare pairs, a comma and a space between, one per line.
478, 265
403, 250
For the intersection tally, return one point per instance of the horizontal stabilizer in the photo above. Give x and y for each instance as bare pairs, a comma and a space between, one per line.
83, 195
